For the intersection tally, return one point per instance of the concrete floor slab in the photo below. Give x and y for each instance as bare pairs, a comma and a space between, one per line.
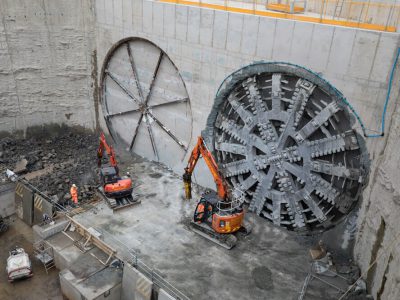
268, 264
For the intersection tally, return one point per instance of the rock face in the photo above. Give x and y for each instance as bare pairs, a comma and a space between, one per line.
53, 164
45, 64
379, 223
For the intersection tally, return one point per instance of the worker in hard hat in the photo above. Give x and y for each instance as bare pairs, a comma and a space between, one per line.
74, 194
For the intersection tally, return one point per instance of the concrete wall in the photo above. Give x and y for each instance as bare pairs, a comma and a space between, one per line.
7, 199
207, 45
46, 54
135, 285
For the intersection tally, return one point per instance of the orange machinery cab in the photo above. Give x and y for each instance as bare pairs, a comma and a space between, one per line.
219, 215
113, 185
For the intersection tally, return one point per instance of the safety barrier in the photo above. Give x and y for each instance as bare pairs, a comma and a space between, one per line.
366, 15
32, 204
130, 256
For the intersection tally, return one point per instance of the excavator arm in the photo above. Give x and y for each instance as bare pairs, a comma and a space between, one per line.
109, 150
201, 150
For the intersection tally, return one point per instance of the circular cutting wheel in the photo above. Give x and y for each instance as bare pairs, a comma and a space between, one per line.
284, 138
145, 101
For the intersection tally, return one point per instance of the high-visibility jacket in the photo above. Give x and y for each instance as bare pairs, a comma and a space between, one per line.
74, 194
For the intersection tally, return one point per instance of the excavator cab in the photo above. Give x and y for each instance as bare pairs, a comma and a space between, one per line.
108, 175
221, 216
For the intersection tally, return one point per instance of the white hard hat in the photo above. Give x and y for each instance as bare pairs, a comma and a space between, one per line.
74, 185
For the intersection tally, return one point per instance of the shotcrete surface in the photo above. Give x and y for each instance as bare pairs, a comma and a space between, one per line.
267, 264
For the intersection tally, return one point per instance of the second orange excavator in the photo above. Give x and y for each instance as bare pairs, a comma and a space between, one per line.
217, 215
116, 190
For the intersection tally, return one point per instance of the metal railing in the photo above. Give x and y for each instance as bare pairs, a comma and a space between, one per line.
130, 256
367, 14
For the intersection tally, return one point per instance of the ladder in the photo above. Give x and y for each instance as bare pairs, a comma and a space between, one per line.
338, 9
44, 253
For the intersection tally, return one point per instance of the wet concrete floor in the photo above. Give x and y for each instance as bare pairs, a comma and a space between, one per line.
270, 263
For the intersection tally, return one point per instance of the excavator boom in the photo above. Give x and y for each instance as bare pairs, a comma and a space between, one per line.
201, 150
216, 217
103, 145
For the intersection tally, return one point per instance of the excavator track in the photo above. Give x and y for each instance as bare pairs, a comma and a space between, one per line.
228, 241
119, 203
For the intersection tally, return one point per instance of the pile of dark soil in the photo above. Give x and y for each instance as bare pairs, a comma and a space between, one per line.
54, 163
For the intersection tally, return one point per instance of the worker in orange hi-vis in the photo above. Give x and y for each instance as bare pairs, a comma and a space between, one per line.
74, 194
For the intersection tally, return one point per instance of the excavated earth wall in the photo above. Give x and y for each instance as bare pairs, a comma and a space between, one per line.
46, 54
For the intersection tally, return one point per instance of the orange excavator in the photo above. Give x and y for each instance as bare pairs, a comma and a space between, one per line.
116, 190
217, 216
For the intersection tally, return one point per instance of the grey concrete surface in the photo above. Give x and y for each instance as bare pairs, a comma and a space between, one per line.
46, 231
163, 295
135, 285
267, 264
87, 278
7, 201
46, 54
67, 288
64, 250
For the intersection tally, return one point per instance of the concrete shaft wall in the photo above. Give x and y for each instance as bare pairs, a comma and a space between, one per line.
207, 45
46, 53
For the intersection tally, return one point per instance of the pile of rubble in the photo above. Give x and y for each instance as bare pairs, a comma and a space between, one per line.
53, 164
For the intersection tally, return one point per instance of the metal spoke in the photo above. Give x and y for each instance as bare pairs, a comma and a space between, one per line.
136, 132
135, 74
324, 188
232, 148
317, 211
169, 103
235, 168
317, 122
122, 113
181, 144
153, 144
243, 135
119, 83
247, 183
245, 115
276, 92
253, 95
337, 170
153, 79
262, 191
